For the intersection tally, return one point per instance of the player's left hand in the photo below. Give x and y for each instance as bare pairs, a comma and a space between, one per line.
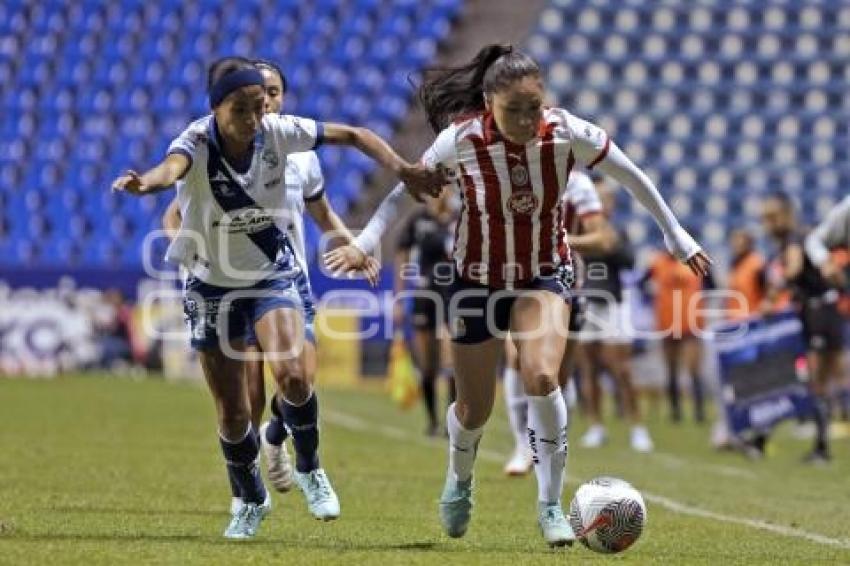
350, 259
700, 263
422, 181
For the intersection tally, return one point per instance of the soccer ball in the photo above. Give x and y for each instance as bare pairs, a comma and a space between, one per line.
607, 514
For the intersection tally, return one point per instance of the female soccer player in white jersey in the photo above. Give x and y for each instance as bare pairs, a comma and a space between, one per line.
242, 271
510, 157
304, 189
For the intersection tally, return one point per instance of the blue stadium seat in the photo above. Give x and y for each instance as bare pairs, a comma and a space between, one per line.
106, 86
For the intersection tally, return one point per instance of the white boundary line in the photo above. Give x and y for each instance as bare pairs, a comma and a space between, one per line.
357, 424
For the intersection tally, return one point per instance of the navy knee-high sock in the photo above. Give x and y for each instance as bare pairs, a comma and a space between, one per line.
303, 424
820, 414
241, 458
234, 487
276, 432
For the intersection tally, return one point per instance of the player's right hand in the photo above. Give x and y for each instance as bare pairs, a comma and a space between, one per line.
131, 182
421, 181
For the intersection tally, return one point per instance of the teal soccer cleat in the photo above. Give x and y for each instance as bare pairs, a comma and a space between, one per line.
246, 521
554, 525
322, 502
456, 507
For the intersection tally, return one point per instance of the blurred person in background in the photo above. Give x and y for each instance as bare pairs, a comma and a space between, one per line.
678, 314
115, 330
423, 248
746, 276
815, 297
607, 339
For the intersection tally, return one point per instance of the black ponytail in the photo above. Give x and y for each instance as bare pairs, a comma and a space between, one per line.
446, 93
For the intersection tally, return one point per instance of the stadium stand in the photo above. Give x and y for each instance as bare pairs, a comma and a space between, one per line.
715, 129
89, 88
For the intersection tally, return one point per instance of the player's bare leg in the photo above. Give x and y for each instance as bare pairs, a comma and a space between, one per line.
281, 333
225, 378
475, 385
540, 334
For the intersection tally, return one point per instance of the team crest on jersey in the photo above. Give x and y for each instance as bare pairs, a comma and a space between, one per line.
524, 202
270, 158
519, 175
221, 184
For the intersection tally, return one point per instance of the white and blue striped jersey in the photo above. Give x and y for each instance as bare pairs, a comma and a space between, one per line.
233, 223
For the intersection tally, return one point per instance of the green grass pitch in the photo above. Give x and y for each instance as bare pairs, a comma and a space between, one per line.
104, 470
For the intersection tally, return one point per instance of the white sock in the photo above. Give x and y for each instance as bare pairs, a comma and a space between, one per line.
517, 406
547, 423
463, 445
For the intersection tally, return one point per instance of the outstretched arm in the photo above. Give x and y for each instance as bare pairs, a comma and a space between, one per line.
330, 223
157, 179
833, 232
419, 179
370, 237
678, 241
349, 256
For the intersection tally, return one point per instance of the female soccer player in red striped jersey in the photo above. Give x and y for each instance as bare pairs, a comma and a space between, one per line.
510, 156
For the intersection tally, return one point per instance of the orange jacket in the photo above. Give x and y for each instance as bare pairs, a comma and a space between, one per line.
675, 289
747, 278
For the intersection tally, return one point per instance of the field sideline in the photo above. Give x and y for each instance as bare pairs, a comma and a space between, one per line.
109, 470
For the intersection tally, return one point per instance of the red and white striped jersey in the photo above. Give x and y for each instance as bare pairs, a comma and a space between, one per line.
510, 224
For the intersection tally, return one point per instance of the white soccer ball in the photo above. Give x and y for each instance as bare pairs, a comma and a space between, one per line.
607, 514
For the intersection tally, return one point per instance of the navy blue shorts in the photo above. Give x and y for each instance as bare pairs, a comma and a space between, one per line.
477, 313
308, 306
222, 314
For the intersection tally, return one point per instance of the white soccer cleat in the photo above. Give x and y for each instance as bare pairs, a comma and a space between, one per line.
322, 501
640, 440
594, 437
520, 462
278, 463
245, 523
236, 504
554, 527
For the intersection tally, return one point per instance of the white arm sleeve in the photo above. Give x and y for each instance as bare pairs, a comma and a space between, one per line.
834, 231
443, 153
369, 239
621, 168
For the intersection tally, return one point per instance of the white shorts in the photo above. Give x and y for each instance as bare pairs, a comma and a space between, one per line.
608, 322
